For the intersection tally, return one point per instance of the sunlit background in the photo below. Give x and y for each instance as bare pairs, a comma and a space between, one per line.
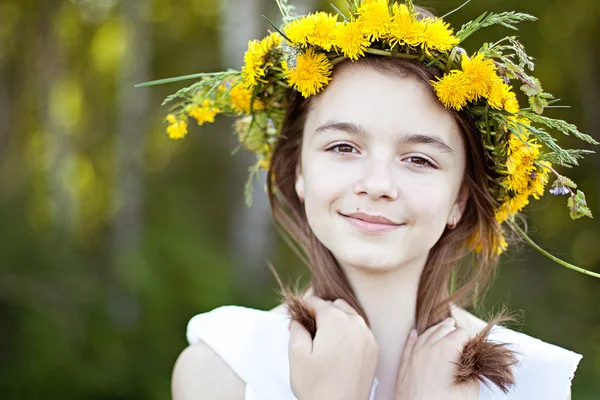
113, 235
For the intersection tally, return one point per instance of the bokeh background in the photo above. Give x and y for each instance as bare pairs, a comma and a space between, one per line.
112, 235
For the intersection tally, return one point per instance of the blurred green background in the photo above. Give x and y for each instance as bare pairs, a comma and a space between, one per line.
113, 235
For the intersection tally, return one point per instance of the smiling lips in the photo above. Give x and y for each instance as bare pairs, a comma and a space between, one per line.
371, 223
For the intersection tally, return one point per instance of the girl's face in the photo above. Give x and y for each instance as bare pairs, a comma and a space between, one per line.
376, 145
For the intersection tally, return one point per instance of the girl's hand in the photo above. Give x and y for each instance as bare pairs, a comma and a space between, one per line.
340, 362
427, 365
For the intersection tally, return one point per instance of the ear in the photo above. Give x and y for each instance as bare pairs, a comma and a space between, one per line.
299, 186
459, 205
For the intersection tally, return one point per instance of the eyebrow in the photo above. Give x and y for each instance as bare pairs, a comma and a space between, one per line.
358, 130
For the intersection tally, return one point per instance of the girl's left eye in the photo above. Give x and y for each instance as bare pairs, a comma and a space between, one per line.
420, 162
343, 148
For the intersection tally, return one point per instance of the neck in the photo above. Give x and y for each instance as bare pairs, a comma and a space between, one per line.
389, 299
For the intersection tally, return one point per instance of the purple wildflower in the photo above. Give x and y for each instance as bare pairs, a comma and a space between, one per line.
559, 190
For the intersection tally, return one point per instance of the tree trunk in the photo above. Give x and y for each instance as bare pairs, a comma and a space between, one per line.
130, 142
251, 236
50, 66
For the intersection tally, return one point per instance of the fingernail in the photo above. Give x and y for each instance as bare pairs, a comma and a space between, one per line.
448, 320
329, 301
413, 333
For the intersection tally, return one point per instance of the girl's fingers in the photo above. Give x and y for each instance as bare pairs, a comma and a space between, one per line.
407, 351
344, 306
459, 335
441, 332
424, 338
316, 302
300, 343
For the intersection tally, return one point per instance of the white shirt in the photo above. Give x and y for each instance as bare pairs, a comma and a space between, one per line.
254, 343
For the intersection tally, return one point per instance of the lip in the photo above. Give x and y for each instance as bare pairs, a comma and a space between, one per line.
371, 223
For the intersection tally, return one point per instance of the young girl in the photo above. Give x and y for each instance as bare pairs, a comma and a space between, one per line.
394, 159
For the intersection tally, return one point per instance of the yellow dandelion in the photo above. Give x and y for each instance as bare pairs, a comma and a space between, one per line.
404, 29
177, 129
312, 73
299, 29
540, 180
203, 113
500, 244
511, 206
520, 164
498, 94
453, 89
521, 153
241, 97
480, 73
438, 36
253, 70
255, 59
351, 40
273, 39
265, 161
265, 164
322, 33
511, 104
375, 18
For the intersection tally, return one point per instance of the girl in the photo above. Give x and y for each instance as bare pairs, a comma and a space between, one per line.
397, 161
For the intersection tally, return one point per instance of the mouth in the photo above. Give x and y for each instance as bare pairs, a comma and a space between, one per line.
374, 226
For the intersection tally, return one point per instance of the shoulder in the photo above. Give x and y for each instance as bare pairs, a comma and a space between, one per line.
250, 344
200, 373
544, 370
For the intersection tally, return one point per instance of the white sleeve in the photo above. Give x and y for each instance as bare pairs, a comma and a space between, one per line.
254, 344
544, 371
250, 394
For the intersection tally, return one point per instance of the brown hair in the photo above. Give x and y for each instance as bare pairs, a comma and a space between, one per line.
453, 251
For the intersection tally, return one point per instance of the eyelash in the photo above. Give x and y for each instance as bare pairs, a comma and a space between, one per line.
429, 164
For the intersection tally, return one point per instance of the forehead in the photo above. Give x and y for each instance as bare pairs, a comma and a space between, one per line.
384, 104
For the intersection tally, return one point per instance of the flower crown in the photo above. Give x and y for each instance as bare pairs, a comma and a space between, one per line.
301, 54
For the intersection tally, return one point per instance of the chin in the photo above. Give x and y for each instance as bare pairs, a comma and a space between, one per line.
372, 261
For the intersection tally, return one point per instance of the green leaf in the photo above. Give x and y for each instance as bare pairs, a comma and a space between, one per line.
337, 10
249, 187
287, 11
567, 182
558, 124
455, 10
536, 104
533, 88
576, 154
506, 19
277, 29
177, 79
578, 207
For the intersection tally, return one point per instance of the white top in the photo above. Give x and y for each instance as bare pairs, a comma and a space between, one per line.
254, 343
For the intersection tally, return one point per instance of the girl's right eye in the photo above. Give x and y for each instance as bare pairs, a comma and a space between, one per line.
343, 148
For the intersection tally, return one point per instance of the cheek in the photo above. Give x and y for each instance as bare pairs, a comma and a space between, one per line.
324, 184
429, 201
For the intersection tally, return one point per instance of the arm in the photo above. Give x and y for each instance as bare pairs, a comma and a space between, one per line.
199, 373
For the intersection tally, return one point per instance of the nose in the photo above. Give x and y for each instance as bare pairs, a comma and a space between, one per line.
377, 182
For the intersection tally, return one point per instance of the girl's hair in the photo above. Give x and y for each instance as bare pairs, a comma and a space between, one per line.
449, 258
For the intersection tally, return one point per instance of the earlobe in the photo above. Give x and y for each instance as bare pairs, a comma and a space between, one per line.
459, 206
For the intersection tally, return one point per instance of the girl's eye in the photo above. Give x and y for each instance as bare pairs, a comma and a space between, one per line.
342, 148
420, 162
